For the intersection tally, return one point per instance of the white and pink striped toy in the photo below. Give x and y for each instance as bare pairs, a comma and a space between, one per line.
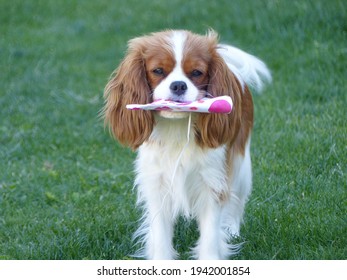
220, 104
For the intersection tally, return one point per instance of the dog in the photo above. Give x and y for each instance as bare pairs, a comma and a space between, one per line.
207, 177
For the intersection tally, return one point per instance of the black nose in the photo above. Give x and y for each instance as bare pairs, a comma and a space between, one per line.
178, 87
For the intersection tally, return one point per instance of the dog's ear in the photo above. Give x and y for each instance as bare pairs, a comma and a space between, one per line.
213, 130
129, 86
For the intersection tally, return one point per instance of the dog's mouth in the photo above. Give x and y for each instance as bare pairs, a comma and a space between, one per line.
183, 99
179, 99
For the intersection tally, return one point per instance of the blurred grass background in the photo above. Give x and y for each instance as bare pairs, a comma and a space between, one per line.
66, 186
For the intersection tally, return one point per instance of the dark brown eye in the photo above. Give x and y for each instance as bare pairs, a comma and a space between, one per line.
159, 71
196, 73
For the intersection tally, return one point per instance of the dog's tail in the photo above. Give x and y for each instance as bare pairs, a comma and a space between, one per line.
249, 69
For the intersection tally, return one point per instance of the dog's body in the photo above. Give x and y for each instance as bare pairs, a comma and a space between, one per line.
198, 166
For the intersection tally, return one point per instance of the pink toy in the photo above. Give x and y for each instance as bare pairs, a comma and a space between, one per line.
221, 104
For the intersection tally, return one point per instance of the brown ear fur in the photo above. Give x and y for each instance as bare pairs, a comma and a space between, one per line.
129, 86
213, 130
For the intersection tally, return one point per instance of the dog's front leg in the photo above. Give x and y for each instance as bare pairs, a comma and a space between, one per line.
209, 219
157, 226
160, 229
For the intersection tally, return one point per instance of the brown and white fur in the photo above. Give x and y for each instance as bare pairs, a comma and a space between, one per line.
212, 178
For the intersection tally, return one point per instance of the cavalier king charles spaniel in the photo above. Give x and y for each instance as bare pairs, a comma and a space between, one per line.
196, 165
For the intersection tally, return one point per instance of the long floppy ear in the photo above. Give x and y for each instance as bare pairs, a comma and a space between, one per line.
129, 86
213, 130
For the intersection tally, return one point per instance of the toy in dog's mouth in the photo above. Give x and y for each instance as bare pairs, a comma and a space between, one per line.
220, 105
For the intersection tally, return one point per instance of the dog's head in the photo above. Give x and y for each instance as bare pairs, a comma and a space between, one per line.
172, 65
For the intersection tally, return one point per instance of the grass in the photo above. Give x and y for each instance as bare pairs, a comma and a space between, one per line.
66, 186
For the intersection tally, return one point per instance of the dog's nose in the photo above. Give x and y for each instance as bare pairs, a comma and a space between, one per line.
178, 87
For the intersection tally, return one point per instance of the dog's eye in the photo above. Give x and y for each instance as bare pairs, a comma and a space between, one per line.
196, 73
159, 71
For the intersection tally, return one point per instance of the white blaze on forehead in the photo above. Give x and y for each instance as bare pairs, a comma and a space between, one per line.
178, 39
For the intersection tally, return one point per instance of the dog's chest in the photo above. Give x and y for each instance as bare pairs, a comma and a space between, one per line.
183, 173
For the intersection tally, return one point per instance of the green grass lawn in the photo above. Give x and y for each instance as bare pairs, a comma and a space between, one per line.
66, 186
